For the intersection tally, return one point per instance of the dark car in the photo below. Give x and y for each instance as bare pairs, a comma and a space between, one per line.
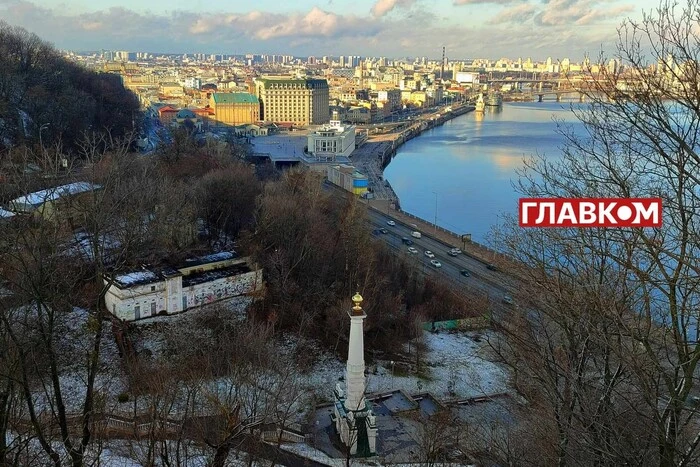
407, 241
492, 267
384, 231
464, 272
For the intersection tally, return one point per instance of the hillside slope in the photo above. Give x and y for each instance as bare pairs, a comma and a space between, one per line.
38, 87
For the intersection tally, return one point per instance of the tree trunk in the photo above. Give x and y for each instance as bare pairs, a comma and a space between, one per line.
221, 455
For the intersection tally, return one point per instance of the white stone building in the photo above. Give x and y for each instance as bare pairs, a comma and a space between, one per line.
331, 141
199, 281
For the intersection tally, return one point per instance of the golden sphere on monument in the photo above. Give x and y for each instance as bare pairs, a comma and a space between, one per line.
357, 298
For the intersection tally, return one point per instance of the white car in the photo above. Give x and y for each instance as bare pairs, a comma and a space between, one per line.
391, 223
429, 254
436, 263
412, 250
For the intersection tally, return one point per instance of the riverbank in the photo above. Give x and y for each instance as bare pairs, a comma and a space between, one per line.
374, 155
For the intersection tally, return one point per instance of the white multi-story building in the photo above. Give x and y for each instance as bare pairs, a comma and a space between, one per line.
193, 83
468, 78
148, 292
332, 140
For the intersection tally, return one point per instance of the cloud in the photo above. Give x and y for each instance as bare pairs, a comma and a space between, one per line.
568, 12
92, 25
476, 2
516, 14
328, 31
316, 22
383, 7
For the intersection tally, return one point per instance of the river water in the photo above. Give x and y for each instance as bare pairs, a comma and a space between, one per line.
467, 167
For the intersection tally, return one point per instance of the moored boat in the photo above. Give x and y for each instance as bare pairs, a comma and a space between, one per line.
494, 99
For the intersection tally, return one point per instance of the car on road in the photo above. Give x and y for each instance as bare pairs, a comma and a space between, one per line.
436, 263
452, 252
391, 223
456, 251
492, 267
412, 250
384, 231
465, 272
507, 299
407, 241
416, 234
429, 254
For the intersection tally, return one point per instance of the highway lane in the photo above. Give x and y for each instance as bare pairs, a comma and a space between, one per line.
493, 283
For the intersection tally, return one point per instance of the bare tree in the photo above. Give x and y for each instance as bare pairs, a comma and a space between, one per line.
614, 322
56, 272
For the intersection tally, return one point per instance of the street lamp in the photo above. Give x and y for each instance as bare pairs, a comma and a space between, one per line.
41, 144
392, 376
42, 128
436, 199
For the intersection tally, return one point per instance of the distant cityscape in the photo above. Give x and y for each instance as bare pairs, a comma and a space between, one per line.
361, 89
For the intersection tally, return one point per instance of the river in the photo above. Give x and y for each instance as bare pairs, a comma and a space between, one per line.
467, 167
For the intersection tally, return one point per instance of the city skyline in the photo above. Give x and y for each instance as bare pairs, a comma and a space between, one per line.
392, 28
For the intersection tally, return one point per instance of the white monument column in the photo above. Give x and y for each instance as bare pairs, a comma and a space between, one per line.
355, 370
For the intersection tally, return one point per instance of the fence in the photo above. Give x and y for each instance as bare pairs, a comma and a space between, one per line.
465, 324
288, 436
458, 239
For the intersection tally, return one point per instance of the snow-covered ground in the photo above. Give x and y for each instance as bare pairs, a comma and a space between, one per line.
307, 452
155, 331
453, 360
455, 365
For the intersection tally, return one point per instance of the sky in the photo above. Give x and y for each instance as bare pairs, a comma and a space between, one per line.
390, 28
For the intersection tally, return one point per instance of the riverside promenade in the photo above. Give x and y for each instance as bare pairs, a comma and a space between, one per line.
371, 159
374, 155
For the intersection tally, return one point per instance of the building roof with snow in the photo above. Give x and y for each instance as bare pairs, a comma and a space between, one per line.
200, 268
131, 279
6, 214
33, 201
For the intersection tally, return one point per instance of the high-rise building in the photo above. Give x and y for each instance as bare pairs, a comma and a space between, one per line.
299, 101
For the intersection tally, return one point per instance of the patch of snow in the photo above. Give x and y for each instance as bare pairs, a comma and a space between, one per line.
82, 245
6, 214
51, 194
456, 366
26, 122
155, 331
308, 452
136, 277
224, 255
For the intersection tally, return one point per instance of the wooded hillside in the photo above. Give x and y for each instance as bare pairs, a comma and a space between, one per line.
38, 87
